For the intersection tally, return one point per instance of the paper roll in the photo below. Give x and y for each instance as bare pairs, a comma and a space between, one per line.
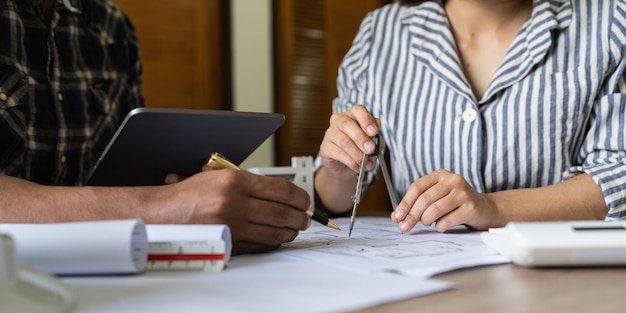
82, 248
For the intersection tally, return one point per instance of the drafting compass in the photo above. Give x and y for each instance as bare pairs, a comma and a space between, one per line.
359, 183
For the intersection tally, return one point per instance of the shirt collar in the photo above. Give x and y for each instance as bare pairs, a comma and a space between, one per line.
431, 40
560, 10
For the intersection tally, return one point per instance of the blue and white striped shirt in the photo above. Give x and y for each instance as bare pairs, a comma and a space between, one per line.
556, 106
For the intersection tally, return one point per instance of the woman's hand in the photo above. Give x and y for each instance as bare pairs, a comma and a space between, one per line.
447, 200
341, 151
345, 141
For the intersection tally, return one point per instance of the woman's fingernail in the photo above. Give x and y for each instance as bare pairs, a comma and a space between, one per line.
371, 130
399, 213
404, 226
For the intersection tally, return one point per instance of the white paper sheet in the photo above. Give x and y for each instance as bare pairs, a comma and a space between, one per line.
255, 283
377, 245
82, 248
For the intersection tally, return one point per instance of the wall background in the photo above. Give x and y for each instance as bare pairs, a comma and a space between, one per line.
251, 27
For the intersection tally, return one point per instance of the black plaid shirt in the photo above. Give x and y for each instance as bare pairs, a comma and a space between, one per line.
64, 88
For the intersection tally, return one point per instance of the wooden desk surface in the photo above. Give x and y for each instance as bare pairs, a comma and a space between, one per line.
510, 288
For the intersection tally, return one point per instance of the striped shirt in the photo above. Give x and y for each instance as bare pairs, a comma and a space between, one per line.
556, 106
64, 87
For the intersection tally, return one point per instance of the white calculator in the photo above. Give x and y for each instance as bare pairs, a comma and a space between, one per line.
575, 243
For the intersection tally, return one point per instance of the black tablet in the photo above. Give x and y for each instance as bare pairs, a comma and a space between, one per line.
153, 142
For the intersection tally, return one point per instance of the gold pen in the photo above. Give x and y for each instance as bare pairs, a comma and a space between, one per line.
218, 161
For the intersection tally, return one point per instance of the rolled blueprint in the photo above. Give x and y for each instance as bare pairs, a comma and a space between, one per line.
82, 248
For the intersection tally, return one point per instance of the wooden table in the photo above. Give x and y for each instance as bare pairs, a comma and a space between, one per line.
510, 288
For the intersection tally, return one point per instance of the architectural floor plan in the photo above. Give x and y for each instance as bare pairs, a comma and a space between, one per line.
378, 245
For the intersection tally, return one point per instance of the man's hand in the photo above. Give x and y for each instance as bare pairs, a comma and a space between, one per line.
262, 211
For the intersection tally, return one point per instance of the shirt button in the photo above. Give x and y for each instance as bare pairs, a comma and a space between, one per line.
3, 96
469, 115
60, 96
63, 159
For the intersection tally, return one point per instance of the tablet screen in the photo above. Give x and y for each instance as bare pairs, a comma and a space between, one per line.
153, 142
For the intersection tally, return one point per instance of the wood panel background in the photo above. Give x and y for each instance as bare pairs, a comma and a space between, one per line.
185, 48
311, 38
